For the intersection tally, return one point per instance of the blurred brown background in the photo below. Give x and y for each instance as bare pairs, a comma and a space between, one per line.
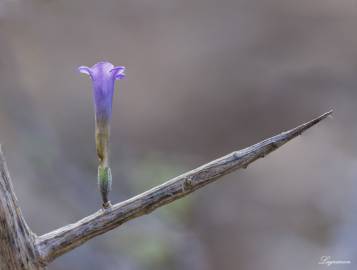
204, 78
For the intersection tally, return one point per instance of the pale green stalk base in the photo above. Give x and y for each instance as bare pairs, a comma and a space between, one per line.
105, 184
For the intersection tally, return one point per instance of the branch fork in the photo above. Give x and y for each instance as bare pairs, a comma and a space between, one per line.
21, 249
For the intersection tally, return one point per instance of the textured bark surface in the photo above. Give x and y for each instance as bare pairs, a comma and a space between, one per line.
60, 241
21, 249
17, 251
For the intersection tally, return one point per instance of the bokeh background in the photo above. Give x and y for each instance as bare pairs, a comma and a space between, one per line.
204, 78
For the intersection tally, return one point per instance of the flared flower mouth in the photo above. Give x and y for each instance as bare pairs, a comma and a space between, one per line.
103, 75
103, 70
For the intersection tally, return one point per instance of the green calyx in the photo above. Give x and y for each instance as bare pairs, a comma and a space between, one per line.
105, 183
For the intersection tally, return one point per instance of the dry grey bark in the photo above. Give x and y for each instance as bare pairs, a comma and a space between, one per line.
17, 249
22, 249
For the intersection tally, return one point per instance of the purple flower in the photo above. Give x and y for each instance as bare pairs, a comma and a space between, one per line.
103, 75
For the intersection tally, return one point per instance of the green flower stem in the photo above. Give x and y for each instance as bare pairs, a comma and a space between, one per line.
102, 134
105, 184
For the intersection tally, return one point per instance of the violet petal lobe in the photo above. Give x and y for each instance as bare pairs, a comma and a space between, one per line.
103, 75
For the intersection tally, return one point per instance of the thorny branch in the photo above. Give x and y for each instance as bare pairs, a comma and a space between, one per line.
54, 244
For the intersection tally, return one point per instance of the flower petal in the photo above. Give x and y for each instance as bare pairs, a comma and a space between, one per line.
118, 72
85, 70
103, 66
